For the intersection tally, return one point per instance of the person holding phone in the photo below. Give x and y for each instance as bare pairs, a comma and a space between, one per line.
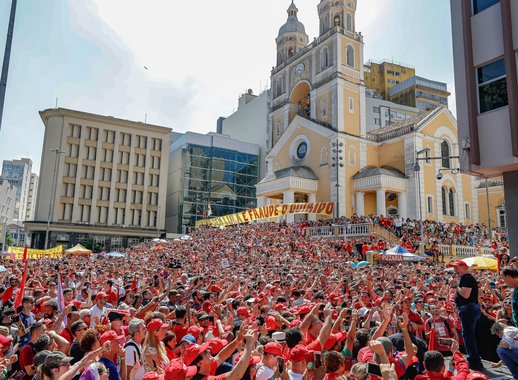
435, 368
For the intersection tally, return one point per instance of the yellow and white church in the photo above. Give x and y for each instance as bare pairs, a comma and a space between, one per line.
321, 149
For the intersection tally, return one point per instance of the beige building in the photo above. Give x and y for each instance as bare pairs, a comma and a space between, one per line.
7, 202
485, 44
321, 147
31, 199
102, 180
18, 173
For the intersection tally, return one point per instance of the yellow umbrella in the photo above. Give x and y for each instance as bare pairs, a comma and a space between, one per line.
481, 262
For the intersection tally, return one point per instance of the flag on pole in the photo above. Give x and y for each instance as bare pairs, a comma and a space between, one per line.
61, 299
19, 296
209, 213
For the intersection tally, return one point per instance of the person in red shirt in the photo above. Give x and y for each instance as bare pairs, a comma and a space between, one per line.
435, 369
11, 289
111, 296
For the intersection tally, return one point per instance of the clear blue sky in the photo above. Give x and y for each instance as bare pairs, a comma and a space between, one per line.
200, 56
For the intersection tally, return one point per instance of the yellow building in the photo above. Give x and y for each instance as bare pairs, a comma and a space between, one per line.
318, 145
496, 204
382, 76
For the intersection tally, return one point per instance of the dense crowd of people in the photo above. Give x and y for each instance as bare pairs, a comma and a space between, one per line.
261, 301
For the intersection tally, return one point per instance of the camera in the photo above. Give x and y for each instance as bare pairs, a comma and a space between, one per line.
439, 176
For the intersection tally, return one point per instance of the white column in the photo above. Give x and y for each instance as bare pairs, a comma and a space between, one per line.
381, 208
312, 198
402, 205
261, 201
289, 197
360, 203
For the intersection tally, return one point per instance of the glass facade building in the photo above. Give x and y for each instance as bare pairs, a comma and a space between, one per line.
215, 180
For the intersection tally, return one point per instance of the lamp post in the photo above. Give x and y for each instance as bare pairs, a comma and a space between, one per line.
488, 213
57, 151
158, 221
336, 157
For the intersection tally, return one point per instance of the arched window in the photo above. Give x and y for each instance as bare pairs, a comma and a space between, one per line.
452, 202
352, 156
444, 203
324, 58
337, 20
323, 155
291, 51
445, 154
350, 56
279, 86
349, 22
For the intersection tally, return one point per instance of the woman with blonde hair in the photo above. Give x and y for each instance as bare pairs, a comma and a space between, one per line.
155, 354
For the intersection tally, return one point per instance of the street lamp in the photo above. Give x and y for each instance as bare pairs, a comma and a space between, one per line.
417, 169
52, 191
336, 157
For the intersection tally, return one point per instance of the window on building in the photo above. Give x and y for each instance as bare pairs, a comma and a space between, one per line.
350, 56
429, 203
480, 5
492, 86
467, 211
452, 202
351, 104
337, 20
349, 22
427, 156
376, 109
444, 202
501, 218
376, 121
445, 154
324, 58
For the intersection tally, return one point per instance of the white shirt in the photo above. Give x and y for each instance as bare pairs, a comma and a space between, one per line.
295, 376
96, 312
131, 353
264, 373
510, 333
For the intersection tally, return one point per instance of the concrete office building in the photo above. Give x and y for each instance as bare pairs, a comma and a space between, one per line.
18, 173
102, 179
7, 202
31, 200
249, 123
419, 92
209, 175
485, 42
380, 113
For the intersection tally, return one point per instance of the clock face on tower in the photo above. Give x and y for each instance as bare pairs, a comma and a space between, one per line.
299, 69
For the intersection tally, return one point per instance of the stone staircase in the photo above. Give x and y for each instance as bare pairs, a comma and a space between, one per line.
385, 234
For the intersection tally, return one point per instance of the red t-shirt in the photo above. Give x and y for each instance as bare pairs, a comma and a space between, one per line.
26, 358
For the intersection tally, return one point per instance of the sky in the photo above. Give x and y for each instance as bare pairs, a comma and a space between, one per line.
92, 55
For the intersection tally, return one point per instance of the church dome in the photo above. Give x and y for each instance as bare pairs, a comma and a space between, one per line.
292, 25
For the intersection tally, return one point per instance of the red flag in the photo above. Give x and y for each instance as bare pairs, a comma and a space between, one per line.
19, 296
431, 343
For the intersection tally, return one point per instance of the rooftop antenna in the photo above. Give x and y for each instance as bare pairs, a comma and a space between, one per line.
56, 102
145, 118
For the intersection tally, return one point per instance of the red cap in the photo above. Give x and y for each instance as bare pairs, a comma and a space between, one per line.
333, 338
304, 309
242, 310
273, 348
178, 370
253, 360
298, 353
270, 323
152, 376
193, 351
156, 324
333, 296
100, 295
295, 323
216, 345
215, 289
5, 340
110, 336
195, 331
457, 263
279, 306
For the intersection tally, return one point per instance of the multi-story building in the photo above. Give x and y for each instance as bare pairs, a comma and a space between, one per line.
420, 93
380, 113
382, 76
249, 123
18, 173
7, 202
102, 180
322, 148
209, 175
485, 44
31, 201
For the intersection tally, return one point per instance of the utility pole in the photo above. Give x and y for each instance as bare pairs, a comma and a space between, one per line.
7, 58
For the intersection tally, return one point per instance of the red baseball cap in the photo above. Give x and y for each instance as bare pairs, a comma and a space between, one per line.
457, 263
100, 295
273, 348
195, 331
253, 360
110, 336
270, 323
242, 310
298, 353
216, 345
193, 351
304, 309
295, 323
156, 324
178, 370
5, 340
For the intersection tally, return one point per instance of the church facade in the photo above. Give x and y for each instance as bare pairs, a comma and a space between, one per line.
319, 146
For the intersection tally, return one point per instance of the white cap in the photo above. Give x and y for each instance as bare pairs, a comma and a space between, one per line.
279, 336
